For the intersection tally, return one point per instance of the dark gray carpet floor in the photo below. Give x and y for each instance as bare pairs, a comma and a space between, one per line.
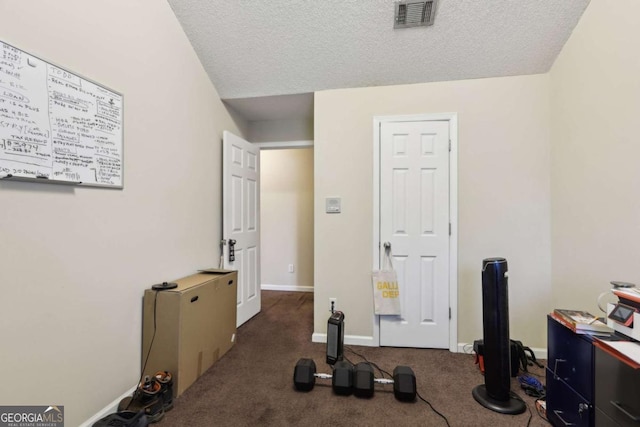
252, 385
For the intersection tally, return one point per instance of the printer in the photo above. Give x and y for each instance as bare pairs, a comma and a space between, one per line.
624, 316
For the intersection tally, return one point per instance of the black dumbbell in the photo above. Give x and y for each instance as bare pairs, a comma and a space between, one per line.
404, 382
304, 376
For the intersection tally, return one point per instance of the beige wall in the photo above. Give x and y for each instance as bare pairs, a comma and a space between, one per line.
75, 260
595, 155
286, 217
503, 203
547, 170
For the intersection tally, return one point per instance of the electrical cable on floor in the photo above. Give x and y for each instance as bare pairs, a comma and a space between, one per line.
434, 409
517, 396
153, 337
382, 372
347, 359
467, 349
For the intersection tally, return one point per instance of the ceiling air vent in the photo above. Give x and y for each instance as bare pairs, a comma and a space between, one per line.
414, 13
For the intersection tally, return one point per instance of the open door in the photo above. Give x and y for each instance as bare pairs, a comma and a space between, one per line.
241, 220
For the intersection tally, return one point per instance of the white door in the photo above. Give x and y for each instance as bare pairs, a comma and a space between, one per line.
241, 220
414, 219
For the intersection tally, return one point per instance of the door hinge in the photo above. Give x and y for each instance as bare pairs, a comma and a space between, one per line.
449, 229
449, 145
449, 313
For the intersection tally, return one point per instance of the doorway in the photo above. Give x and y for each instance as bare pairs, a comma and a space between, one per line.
286, 191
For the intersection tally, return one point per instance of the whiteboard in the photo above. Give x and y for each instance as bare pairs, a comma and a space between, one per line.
56, 126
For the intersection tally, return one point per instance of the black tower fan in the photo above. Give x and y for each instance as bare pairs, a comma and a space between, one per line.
495, 393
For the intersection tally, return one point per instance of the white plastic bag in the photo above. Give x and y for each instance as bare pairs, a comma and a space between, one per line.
386, 291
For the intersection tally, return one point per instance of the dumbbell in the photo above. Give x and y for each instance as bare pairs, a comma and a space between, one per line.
404, 382
304, 376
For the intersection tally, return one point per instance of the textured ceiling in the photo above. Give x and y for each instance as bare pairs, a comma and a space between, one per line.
254, 48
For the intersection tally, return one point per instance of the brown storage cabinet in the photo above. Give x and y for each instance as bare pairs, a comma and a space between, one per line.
195, 325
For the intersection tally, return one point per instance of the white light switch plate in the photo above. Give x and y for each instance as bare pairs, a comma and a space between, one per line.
333, 204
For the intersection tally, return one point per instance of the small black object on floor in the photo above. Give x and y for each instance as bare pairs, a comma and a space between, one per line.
123, 419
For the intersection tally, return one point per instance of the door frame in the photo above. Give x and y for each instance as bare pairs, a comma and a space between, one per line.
284, 145
452, 118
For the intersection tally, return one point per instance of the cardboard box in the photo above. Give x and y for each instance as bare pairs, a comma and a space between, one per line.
195, 325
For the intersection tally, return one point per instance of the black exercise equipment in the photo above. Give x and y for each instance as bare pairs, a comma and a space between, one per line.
495, 393
345, 379
304, 376
404, 382
342, 378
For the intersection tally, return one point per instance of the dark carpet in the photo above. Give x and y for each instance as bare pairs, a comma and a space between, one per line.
253, 383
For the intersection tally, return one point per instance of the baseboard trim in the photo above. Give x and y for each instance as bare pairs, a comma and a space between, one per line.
540, 353
348, 339
289, 288
109, 409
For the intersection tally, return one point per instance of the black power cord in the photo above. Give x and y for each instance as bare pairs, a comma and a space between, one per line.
153, 337
517, 396
434, 409
383, 372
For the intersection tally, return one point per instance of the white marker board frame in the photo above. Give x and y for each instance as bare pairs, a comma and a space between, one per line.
57, 126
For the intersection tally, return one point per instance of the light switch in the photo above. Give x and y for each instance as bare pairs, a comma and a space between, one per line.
333, 204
